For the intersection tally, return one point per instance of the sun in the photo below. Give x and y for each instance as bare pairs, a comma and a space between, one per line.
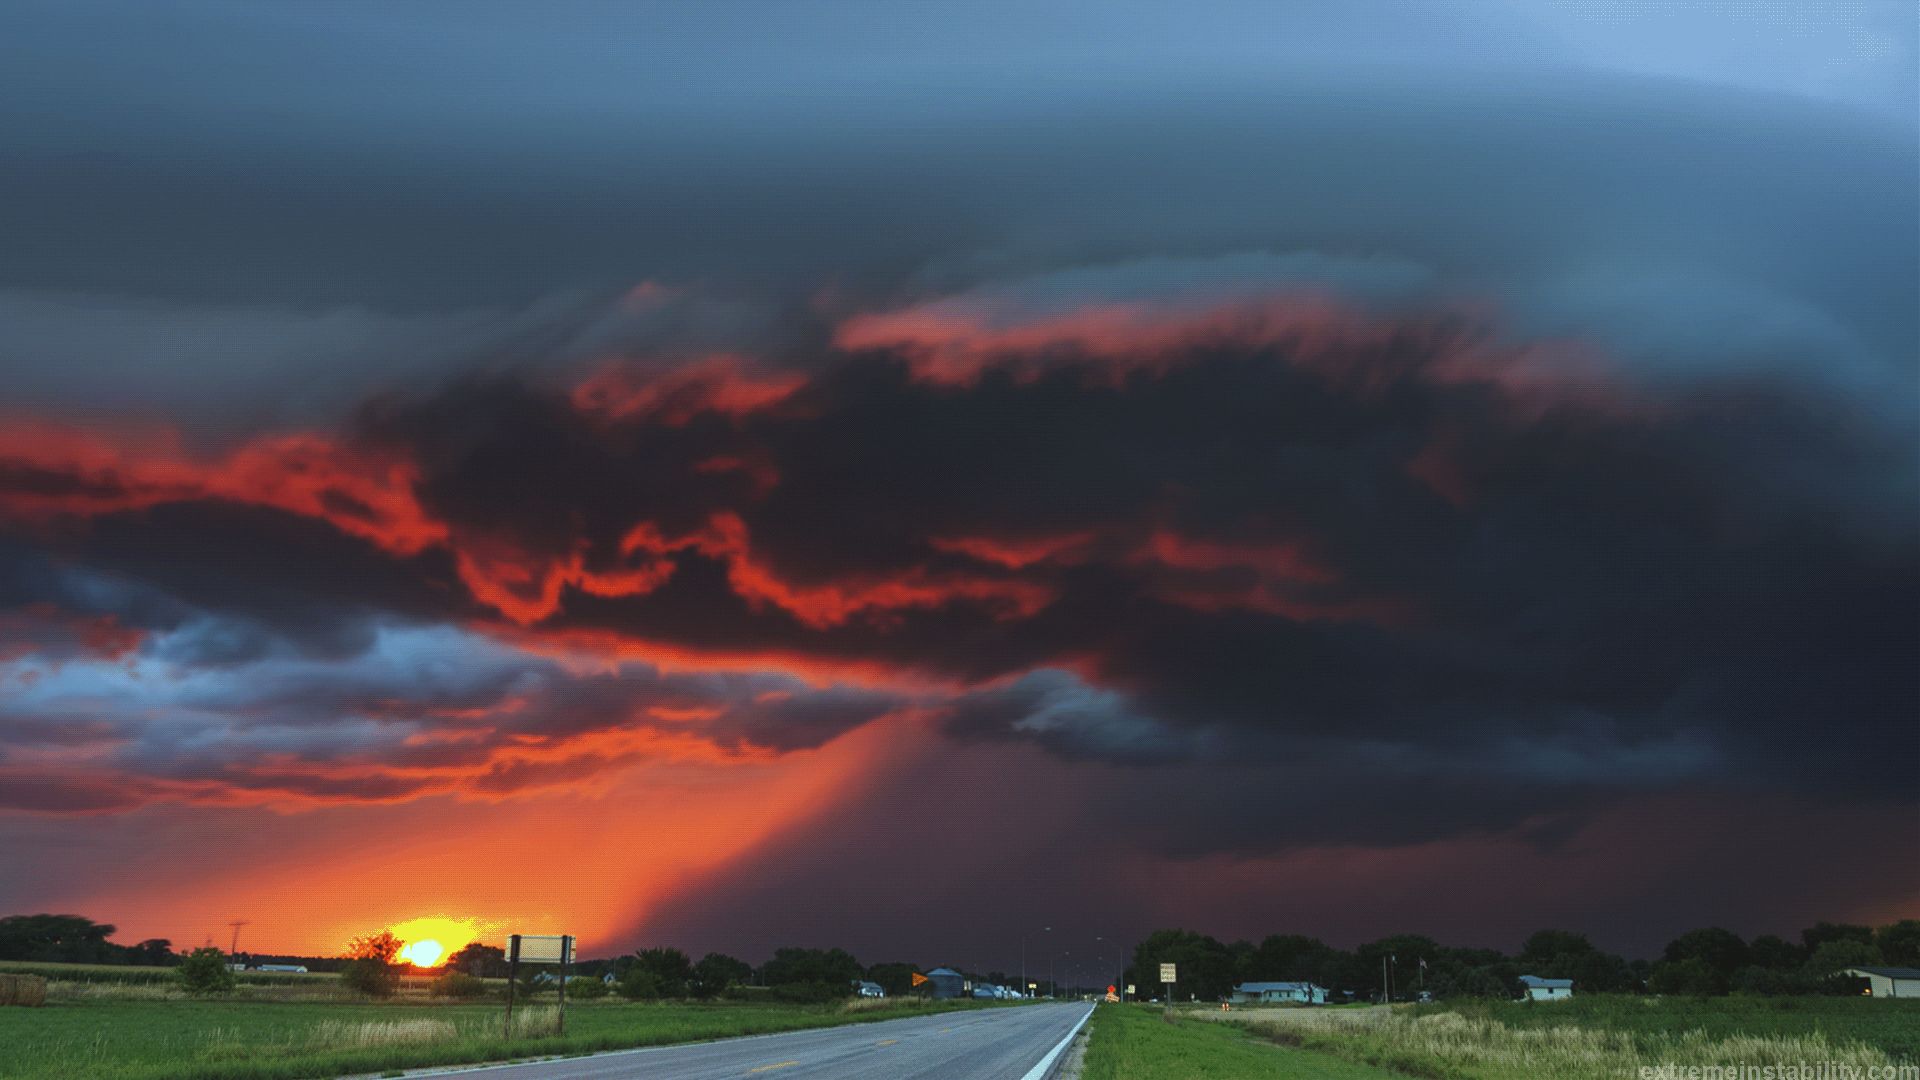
430, 941
424, 954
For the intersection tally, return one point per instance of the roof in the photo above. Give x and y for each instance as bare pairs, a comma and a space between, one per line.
1890, 972
943, 971
1263, 987
864, 983
1547, 984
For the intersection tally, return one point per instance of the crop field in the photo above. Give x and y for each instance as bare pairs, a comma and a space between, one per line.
1596, 1036
77, 1037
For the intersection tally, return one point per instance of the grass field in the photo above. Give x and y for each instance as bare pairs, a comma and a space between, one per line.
268, 1040
1132, 1042
1597, 1036
133, 975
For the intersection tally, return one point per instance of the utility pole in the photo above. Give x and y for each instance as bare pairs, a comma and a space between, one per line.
1384, 998
234, 949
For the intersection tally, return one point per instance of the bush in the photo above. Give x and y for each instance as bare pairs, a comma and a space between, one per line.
639, 984
586, 988
374, 978
459, 984
205, 971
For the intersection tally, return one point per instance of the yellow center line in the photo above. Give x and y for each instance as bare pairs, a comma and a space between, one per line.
775, 1065
886, 1042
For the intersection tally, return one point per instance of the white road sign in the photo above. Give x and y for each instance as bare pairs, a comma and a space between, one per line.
1166, 973
542, 948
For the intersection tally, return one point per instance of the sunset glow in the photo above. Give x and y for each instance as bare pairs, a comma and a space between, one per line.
430, 941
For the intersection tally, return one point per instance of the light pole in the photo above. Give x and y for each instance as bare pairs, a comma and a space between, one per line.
1024, 988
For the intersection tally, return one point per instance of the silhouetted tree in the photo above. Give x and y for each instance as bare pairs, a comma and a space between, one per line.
791, 966
372, 965
1900, 942
1721, 950
717, 971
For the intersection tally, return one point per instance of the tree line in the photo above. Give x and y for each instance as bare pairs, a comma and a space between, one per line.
1708, 961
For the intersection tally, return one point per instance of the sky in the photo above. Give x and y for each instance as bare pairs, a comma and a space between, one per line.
908, 477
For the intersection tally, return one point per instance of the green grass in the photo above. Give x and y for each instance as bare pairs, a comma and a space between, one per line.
1889, 1025
264, 1040
1132, 1042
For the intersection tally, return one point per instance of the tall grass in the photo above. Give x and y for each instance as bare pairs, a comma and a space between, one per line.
1456, 1046
344, 1034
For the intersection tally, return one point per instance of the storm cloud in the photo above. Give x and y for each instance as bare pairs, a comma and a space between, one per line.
410, 407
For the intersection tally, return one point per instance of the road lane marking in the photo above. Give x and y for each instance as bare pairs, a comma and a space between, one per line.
775, 1065
886, 1042
1040, 1068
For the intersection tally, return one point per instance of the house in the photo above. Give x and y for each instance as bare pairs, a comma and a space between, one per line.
1539, 989
870, 989
1889, 982
946, 983
1305, 993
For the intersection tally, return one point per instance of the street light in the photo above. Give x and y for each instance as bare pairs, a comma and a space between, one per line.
1024, 988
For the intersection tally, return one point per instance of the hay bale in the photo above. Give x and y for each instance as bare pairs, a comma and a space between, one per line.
29, 990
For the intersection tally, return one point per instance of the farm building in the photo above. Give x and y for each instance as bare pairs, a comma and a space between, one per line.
1304, 992
1539, 989
1890, 982
946, 983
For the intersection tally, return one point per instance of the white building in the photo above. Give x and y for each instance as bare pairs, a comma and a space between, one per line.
1891, 982
1539, 989
1305, 993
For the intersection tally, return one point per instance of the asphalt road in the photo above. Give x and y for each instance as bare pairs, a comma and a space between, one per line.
991, 1044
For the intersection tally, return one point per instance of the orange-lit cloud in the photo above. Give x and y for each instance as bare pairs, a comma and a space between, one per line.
589, 860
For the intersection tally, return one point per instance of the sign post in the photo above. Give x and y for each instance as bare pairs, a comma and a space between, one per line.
539, 949
1167, 978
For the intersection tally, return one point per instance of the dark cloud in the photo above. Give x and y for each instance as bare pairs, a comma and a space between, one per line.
1375, 444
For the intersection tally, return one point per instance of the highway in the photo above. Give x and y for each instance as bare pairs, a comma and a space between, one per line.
991, 1044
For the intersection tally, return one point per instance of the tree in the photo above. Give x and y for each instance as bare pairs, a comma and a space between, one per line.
639, 984
669, 968
1837, 953
154, 952
1290, 958
1721, 950
897, 978
1776, 953
1546, 945
1900, 942
484, 961
792, 966
372, 966
1203, 964
205, 971
65, 939
717, 971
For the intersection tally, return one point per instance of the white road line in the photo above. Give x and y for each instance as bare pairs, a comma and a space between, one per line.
1046, 1063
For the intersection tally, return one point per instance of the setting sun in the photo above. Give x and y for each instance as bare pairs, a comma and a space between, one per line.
430, 941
